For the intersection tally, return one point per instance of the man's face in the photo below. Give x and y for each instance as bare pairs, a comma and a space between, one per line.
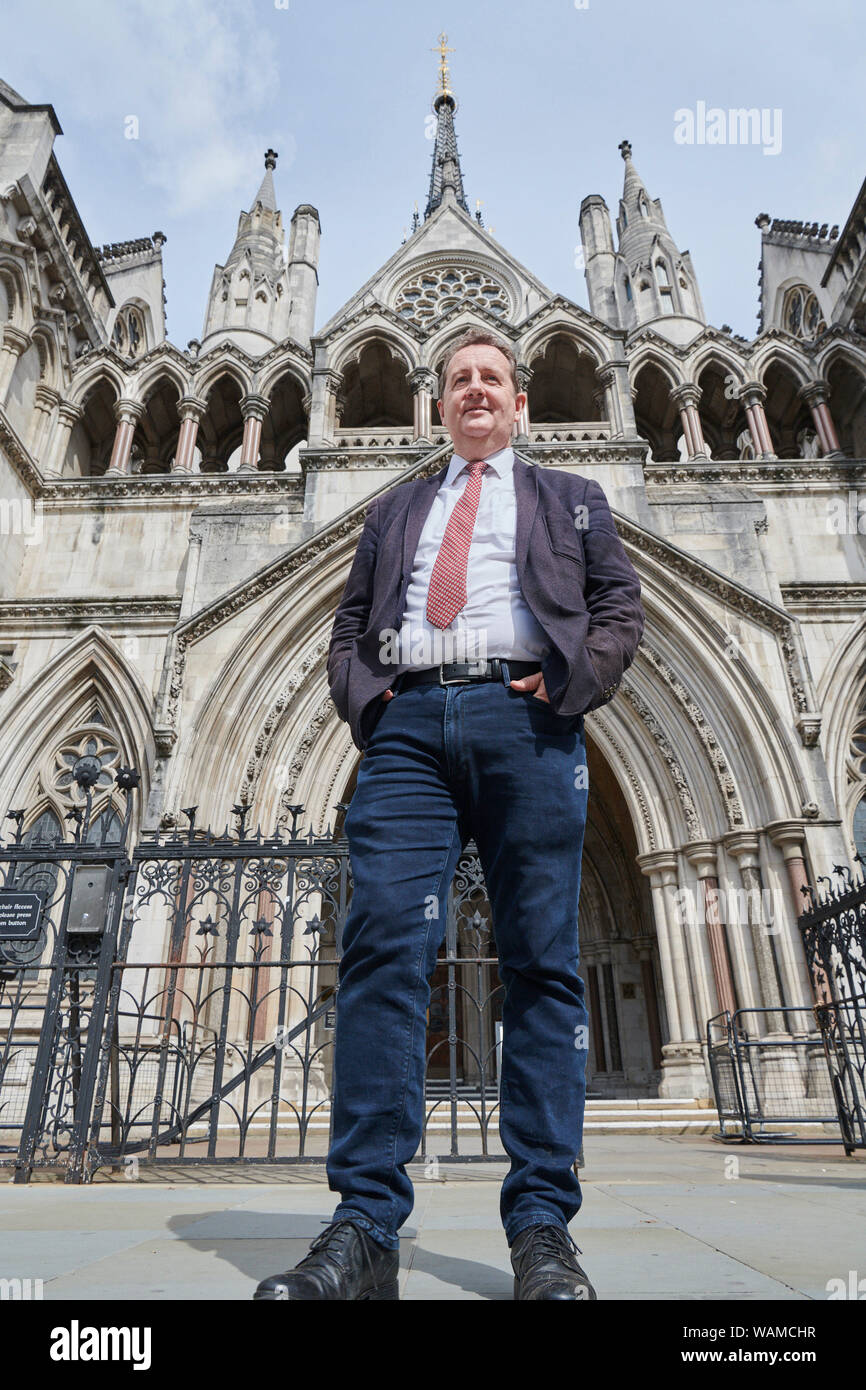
479, 406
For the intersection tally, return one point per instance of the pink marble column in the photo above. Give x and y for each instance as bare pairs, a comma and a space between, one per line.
790, 837
686, 399
254, 410
703, 855
127, 414
753, 394
191, 412
521, 431
423, 383
816, 395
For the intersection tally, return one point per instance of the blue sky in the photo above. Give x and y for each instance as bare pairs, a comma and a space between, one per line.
342, 90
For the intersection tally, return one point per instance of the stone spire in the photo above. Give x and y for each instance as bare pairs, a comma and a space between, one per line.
446, 176
249, 296
650, 279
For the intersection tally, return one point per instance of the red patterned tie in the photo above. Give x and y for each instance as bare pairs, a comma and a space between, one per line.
447, 593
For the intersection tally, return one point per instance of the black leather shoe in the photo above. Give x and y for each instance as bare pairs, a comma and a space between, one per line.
344, 1262
544, 1264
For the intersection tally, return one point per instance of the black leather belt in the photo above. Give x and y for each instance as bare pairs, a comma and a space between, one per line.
464, 672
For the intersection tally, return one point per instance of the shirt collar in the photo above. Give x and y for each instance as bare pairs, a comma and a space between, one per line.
502, 464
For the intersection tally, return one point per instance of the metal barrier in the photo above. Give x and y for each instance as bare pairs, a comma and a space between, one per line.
764, 1082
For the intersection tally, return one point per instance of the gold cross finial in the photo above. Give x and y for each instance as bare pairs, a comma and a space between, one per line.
443, 48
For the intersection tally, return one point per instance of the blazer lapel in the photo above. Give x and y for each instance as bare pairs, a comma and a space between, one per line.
420, 502
526, 498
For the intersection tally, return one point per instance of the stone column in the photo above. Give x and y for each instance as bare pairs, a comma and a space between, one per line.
789, 835
703, 854
45, 402
423, 383
67, 417
326, 384
743, 846
619, 405
254, 410
643, 949
686, 398
521, 433
816, 394
14, 343
127, 414
753, 394
683, 1070
191, 412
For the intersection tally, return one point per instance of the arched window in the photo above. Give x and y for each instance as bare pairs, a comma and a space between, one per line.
665, 291
627, 284
128, 336
802, 316
860, 831
644, 210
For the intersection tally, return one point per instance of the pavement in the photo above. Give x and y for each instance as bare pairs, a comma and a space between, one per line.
677, 1217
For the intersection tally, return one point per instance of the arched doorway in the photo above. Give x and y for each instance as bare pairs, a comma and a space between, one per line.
618, 953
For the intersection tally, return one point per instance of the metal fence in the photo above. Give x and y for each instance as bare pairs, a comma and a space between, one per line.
183, 1007
764, 1083
814, 1079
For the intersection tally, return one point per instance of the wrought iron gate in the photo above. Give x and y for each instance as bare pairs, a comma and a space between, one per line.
834, 937
190, 1017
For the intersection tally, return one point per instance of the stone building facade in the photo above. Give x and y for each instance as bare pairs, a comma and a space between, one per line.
178, 524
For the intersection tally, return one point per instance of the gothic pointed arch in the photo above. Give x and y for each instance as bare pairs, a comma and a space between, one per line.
88, 691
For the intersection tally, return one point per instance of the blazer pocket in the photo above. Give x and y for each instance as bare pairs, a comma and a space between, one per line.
562, 537
339, 687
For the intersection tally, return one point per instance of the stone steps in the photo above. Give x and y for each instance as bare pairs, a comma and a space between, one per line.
645, 1115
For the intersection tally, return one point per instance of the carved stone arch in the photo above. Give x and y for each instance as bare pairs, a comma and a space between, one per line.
586, 343
49, 358
91, 670
375, 391
15, 283
347, 351
91, 376
715, 354
840, 353
682, 649
649, 354
270, 673
781, 354
841, 696
223, 365
150, 372
265, 381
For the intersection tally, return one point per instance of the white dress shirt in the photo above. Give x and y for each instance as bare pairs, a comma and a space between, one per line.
495, 620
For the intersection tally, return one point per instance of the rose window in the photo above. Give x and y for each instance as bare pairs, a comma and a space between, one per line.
426, 296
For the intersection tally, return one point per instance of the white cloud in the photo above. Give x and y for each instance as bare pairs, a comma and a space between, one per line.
201, 76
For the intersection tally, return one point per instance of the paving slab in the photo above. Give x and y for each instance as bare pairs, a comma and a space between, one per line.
663, 1218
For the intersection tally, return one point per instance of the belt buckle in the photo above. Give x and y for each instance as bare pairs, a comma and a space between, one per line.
477, 662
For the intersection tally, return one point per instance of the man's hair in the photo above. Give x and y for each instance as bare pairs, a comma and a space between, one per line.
485, 338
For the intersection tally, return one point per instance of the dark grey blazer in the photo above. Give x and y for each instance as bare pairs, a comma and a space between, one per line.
577, 580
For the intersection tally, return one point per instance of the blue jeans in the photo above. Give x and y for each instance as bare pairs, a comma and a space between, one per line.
445, 764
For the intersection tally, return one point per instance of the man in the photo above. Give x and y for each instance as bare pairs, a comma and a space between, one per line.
522, 567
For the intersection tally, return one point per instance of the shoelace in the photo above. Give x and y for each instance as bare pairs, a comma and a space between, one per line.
549, 1240
333, 1240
